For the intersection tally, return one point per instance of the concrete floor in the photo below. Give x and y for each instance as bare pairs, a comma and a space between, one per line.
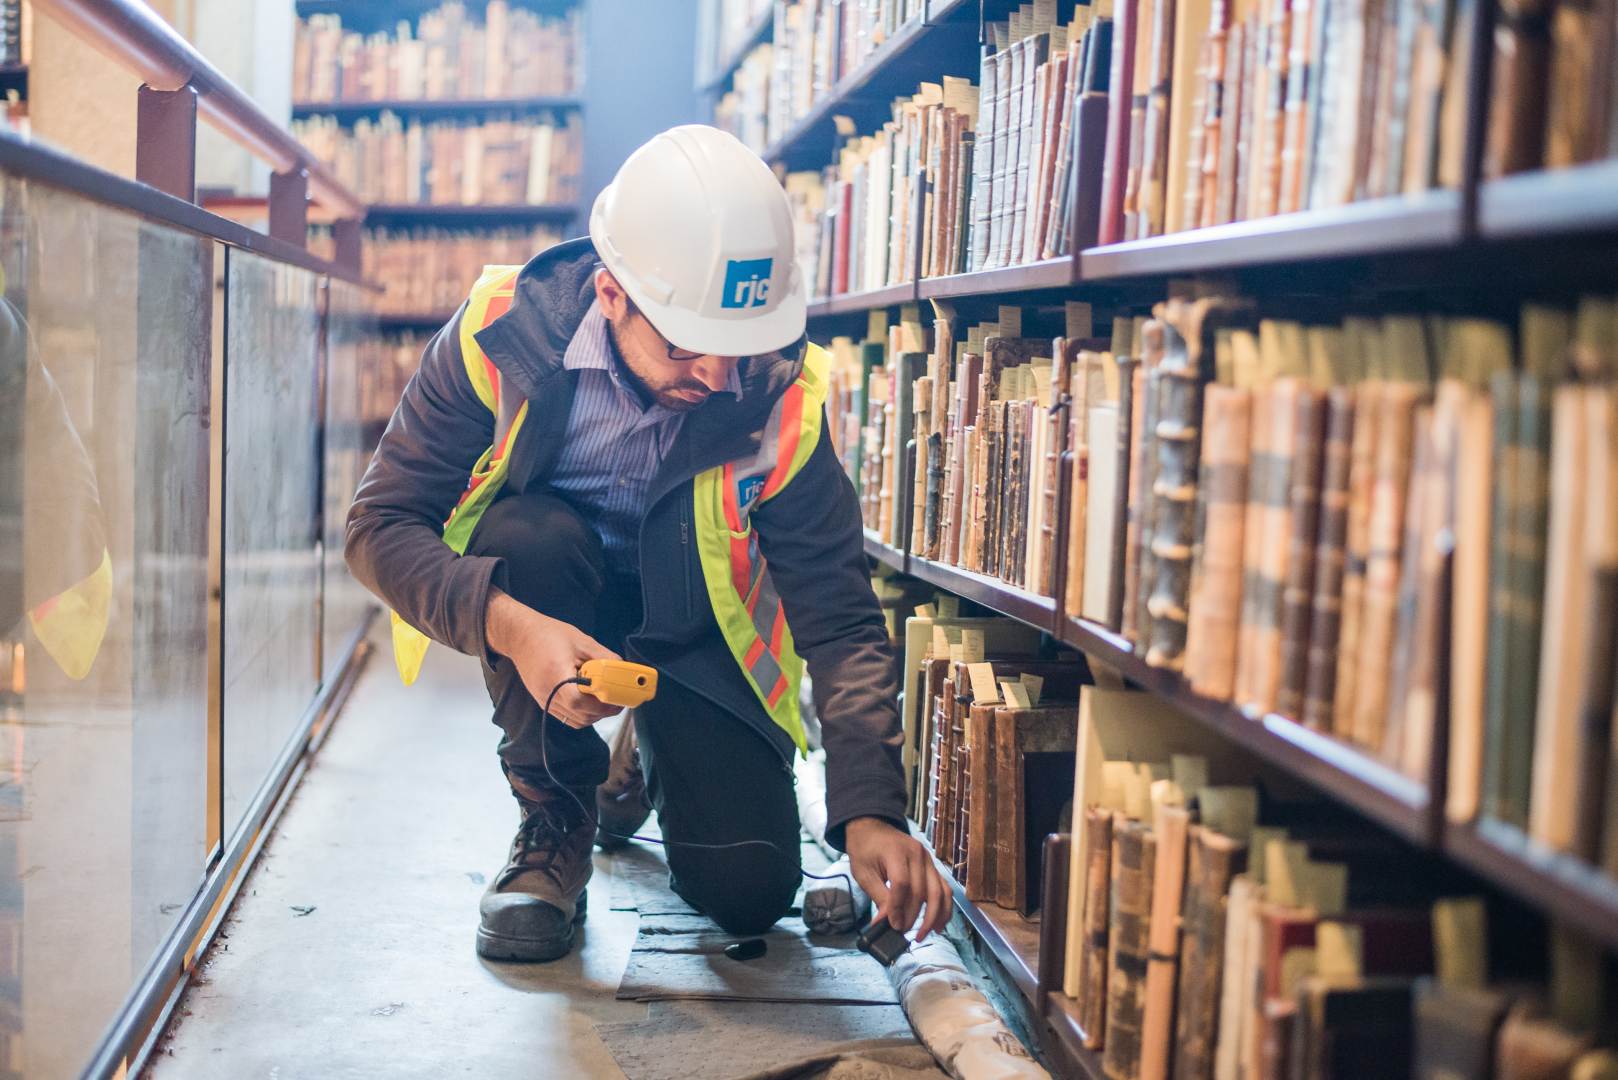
350, 950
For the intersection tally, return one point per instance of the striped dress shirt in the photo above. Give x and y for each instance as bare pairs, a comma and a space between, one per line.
614, 445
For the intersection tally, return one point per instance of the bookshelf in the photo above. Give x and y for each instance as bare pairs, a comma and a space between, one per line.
761, 31
448, 107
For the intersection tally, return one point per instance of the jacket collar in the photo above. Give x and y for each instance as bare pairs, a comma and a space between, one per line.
552, 296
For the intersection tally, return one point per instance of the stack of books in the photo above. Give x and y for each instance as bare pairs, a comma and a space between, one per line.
430, 271
512, 53
817, 43
501, 162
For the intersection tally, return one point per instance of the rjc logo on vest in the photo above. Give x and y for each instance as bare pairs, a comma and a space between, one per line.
747, 283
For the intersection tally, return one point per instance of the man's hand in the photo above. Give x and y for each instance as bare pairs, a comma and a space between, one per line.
547, 651
898, 873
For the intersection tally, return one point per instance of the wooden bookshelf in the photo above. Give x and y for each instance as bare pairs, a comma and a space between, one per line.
1378, 227
762, 30
1057, 273
1568, 889
434, 108
849, 303
1549, 203
921, 49
455, 214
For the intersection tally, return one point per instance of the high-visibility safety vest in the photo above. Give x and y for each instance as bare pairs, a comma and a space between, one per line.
745, 604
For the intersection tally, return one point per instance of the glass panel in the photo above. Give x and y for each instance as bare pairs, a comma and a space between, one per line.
104, 391
271, 578
350, 438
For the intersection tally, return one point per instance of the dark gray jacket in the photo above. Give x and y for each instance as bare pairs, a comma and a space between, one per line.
810, 533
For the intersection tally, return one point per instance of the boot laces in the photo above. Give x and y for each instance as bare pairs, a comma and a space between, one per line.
542, 836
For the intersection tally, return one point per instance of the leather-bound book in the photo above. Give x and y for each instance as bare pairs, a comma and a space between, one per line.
1120, 88
1352, 1028
1516, 133
1413, 664
1146, 14
1280, 1024
1215, 114
982, 173
1163, 941
1297, 599
1178, 439
1122, 477
1523, 448
1003, 562
1215, 606
1267, 536
1091, 943
1579, 101
1368, 414
1078, 489
1455, 1031
1238, 976
1142, 473
981, 851
1033, 755
1059, 425
1404, 344
1234, 104
1534, 1046
1213, 860
1485, 351
1054, 933
957, 489
1155, 130
1134, 855
1330, 557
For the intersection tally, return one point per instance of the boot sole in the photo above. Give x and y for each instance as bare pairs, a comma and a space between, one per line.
491, 946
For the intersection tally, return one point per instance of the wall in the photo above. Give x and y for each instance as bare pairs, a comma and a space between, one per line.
640, 57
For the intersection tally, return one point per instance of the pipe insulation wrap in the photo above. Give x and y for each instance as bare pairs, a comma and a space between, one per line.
954, 1020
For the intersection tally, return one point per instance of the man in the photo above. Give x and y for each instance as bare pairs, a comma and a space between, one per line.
632, 425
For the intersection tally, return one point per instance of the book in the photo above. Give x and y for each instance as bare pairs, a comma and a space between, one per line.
1033, 760
1533, 1045
1171, 827
1297, 598
1330, 558
1085, 979
1134, 851
1213, 861
1515, 135
1120, 84
1455, 1031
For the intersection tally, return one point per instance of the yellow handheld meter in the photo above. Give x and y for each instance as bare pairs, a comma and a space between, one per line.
619, 682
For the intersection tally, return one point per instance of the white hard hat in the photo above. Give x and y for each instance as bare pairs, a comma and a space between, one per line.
698, 231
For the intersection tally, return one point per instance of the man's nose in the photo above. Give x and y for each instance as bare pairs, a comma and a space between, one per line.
714, 371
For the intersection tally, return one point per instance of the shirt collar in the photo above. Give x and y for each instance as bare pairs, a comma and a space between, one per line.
591, 349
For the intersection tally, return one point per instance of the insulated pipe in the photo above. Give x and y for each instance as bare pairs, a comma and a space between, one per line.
954, 1020
132, 34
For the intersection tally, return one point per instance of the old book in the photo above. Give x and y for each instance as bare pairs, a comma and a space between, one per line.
1455, 1031
1034, 751
1575, 676
1211, 636
1267, 535
1054, 934
1078, 481
1123, 451
1086, 979
1120, 88
1171, 827
1236, 977
1486, 351
1330, 558
1177, 436
1413, 671
1579, 96
1522, 444
1350, 1027
1297, 598
1213, 861
1215, 114
1035, 56
982, 859
1533, 1046
984, 147
1101, 511
1515, 137
1142, 469
1234, 105
1192, 19
1155, 129
1134, 853
1146, 12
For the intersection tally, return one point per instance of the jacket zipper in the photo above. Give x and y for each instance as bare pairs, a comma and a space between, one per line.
685, 550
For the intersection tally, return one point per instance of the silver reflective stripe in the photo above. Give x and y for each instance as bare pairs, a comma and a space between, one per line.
765, 671
766, 611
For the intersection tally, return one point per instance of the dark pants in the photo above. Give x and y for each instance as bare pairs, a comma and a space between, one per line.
711, 778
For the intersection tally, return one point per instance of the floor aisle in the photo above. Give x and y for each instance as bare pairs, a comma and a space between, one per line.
349, 952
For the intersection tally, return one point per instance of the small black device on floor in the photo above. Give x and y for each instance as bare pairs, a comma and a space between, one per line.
881, 940
751, 949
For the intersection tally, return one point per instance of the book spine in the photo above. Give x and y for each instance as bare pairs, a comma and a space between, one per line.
1093, 941
1178, 436
1118, 541
1213, 861
1297, 598
1330, 559
1115, 168
1142, 466
1134, 854
1361, 476
1211, 637
1268, 536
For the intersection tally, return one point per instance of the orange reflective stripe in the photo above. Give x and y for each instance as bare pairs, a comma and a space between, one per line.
791, 429
733, 510
780, 688
754, 653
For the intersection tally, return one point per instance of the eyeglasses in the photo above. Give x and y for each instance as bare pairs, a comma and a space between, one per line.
679, 356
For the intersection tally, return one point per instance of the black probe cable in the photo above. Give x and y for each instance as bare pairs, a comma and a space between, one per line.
544, 759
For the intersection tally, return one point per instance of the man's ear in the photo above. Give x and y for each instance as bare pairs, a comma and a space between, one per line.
611, 296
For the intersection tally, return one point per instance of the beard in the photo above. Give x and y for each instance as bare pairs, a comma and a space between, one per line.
681, 393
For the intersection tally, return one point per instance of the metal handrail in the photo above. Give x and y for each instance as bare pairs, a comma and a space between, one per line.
131, 33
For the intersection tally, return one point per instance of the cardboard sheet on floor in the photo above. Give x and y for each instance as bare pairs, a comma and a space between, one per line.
683, 957
731, 1040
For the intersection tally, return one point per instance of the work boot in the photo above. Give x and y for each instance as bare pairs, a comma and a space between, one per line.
530, 909
621, 804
